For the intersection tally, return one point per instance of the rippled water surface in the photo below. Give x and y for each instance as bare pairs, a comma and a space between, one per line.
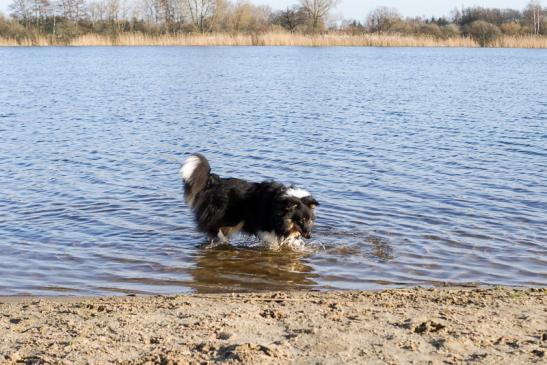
430, 165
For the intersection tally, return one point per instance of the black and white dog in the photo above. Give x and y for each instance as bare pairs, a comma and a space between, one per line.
223, 206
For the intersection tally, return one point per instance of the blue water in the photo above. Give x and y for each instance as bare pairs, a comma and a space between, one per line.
430, 165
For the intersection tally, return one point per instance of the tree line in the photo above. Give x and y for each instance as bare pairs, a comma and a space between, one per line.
66, 19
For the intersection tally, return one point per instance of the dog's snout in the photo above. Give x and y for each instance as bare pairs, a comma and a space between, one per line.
307, 235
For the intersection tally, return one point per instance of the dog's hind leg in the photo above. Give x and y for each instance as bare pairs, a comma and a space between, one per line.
218, 240
224, 233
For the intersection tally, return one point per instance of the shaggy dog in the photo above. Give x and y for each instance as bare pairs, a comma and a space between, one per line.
224, 206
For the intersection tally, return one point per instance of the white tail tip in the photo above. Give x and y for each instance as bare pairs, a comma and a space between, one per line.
188, 167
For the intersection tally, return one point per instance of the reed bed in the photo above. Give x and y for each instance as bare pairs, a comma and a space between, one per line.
521, 42
271, 39
26, 42
139, 39
365, 40
8, 42
277, 39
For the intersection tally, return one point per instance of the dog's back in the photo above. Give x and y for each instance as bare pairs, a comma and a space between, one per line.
216, 202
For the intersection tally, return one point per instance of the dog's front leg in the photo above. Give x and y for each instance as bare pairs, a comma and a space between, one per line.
222, 238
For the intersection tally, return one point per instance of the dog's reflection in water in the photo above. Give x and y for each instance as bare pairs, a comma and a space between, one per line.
228, 268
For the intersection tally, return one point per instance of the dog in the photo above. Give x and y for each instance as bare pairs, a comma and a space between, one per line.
224, 206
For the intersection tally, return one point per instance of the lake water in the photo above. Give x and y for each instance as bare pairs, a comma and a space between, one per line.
430, 166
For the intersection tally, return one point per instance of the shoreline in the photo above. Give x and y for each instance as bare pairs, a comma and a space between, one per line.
450, 325
275, 39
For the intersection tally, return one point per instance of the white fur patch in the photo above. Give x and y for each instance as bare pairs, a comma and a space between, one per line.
297, 193
188, 167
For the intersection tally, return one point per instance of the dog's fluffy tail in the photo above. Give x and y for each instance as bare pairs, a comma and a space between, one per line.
195, 173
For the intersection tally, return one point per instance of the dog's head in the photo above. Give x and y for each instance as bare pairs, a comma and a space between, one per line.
299, 217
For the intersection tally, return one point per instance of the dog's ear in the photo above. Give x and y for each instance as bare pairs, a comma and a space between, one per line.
291, 204
310, 201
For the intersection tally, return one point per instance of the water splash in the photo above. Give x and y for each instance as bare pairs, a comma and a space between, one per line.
297, 245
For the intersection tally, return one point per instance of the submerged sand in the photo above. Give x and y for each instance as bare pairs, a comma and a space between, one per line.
447, 326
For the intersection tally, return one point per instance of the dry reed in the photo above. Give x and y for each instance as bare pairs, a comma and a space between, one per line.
271, 39
521, 42
8, 42
26, 42
277, 39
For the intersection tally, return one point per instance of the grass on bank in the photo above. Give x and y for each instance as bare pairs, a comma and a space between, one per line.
277, 39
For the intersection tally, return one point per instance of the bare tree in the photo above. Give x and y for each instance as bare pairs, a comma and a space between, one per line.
382, 18
240, 16
316, 11
115, 13
41, 10
243, 16
200, 13
22, 11
97, 11
148, 10
290, 18
112, 8
166, 11
73, 10
455, 16
534, 11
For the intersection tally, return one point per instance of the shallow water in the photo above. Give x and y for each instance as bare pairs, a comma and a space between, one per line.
430, 165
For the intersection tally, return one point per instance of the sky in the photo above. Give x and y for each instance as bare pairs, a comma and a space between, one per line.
358, 9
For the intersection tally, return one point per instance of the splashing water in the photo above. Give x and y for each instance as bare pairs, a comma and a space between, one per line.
297, 245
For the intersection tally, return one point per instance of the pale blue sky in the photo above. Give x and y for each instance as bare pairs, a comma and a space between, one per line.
358, 9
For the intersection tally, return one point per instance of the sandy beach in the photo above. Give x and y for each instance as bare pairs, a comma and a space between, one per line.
438, 326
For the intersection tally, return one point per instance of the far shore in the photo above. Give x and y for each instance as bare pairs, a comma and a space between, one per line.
439, 326
276, 39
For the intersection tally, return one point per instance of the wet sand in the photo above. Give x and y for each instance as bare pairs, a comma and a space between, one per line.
439, 326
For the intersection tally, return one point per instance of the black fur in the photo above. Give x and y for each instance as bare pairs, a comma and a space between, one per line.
220, 203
